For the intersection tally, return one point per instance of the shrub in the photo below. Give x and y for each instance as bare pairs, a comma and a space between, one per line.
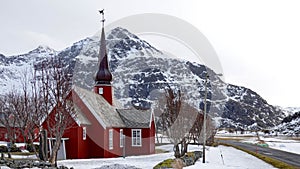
191, 157
14, 148
198, 154
29, 147
215, 144
188, 159
3, 149
165, 164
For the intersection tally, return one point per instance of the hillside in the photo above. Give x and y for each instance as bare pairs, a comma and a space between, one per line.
290, 125
140, 73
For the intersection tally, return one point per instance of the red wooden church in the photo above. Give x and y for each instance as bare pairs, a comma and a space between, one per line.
102, 130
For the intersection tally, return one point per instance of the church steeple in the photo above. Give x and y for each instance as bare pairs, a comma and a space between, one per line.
103, 76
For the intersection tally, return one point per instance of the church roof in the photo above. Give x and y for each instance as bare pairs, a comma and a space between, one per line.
103, 74
134, 118
81, 118
109, 116
106, 114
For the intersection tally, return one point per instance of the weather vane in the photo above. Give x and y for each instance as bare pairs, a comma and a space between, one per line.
102, 12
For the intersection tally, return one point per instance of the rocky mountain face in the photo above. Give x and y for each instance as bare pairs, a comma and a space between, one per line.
14, 68
290, 110
141, 72
290, 125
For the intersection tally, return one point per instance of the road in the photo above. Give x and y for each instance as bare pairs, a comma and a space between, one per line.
287, 157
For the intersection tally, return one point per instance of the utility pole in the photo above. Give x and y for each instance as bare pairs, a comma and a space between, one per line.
204, 120
205, 114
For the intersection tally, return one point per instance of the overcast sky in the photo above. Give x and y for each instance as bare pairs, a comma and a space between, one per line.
257, 41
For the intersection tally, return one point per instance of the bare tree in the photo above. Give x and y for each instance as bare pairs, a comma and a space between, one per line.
181, 121
196, 133
55, 88
20, 112
23, 112
33, 106
8, 104
174, 122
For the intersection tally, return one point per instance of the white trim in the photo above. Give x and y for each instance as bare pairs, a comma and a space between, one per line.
99, 85
111, 139
63, 144
152, 118
83, 133
137, 140
50, 145
121, 138
64, 149
100, 90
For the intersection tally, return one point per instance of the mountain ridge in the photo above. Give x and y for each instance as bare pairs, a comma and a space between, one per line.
141, 71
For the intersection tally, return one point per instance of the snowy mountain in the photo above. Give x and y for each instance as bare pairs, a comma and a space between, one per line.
291, 110
290, 125
13, 68
140, 73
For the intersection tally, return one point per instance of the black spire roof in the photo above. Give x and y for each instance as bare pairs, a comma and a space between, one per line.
103, 75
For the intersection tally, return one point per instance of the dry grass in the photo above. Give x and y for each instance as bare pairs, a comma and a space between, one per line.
295, 138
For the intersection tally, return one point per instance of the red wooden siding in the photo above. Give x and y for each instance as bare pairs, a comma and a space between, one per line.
95, 132
107, 93
148, 141
19, 138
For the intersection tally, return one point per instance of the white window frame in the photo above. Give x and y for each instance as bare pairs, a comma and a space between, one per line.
110, 139
83, 133
121, 138
136, 137
100, 90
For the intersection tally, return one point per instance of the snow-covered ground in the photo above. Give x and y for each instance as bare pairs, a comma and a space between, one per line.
233, 159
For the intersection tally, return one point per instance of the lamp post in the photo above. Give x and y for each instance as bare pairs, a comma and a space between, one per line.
204, 120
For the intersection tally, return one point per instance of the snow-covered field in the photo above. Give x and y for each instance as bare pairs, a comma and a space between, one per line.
233, 159
284, 145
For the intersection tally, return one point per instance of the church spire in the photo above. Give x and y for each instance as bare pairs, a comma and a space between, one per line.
103, 75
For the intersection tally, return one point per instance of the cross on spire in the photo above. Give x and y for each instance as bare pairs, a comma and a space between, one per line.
102, 12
